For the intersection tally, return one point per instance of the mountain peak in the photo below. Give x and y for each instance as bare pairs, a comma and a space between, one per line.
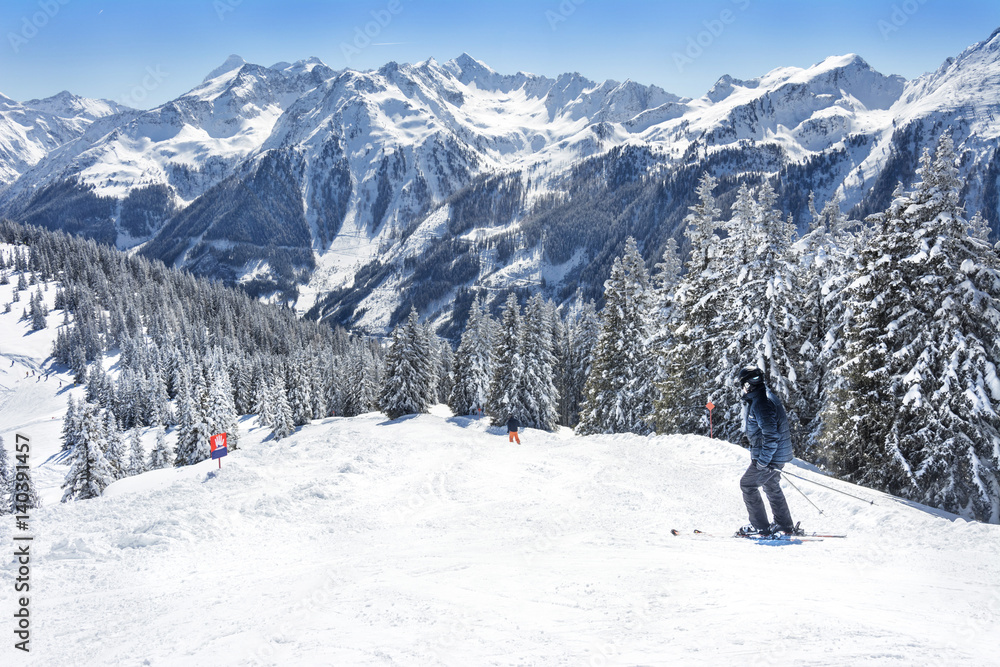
465, 68
232, 62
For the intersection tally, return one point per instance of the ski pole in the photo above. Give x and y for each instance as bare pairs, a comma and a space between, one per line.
805, 496
864, 500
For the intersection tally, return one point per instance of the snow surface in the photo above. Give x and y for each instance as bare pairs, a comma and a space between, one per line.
430, 540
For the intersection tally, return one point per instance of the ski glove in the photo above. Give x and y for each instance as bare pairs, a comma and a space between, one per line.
760, 466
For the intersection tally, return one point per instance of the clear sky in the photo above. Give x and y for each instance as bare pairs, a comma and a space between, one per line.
146, 52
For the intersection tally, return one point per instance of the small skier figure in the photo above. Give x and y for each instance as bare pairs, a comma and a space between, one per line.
512, 426
770, 449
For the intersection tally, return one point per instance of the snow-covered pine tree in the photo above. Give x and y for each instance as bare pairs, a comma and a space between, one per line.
473, 366
137, 456
114, 446
264, 399
317, 388
244, 394
192, 429
620, 392
299, 390
283, 424
90, 473
6, 478
538, 389
100, 389
759, 276
693, 364
408, 385
71, 426
161, 456
437, 366
508, 366
888, 417
220, 414
583, 333
157, 402
827, 260
38, 312
664, 281
360, 392
446, 369
948, 429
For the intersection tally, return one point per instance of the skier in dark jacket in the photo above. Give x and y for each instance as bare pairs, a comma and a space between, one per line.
512, 426
770, 449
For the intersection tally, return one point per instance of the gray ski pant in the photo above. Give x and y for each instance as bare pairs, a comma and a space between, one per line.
769, 479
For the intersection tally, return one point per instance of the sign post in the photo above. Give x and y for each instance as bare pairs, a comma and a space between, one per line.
218, 445
711, 406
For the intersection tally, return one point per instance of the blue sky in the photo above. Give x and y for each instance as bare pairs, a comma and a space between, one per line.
147, 52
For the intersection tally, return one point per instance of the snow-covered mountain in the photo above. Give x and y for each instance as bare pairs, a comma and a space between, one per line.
431, 540
361, 194
31, 130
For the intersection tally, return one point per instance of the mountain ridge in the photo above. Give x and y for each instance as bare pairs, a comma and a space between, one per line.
330, 170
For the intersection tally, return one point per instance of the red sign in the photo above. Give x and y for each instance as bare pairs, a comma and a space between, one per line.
218, 445
710, 405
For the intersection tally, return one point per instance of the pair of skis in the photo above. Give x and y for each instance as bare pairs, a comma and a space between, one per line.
782, 537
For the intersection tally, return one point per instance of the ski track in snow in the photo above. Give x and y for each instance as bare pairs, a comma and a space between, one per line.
430, 540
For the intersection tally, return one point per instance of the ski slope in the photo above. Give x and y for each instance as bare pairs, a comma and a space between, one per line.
430, 540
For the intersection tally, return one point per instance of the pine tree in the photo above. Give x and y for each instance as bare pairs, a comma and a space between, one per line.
38, 312
283, 424
408, 385
6, 478
827, 260
220, 415
244, 387
584, 333
71, 426
948, 430
161, 456
694, 364
90, 473
538, 390
620, 391
317, 389
765, 324
508, 367
137, 457
473, 364
192, 429
264, 401
916, 415
299, 391
446, 369
361, 392
114, 446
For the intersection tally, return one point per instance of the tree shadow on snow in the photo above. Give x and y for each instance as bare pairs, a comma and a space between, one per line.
398, 420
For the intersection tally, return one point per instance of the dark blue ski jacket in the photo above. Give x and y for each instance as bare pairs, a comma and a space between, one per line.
513, 425
767, 427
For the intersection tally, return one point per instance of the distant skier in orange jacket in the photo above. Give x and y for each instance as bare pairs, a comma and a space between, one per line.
512, 426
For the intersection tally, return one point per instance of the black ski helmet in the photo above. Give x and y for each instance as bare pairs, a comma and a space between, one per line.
750, 375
